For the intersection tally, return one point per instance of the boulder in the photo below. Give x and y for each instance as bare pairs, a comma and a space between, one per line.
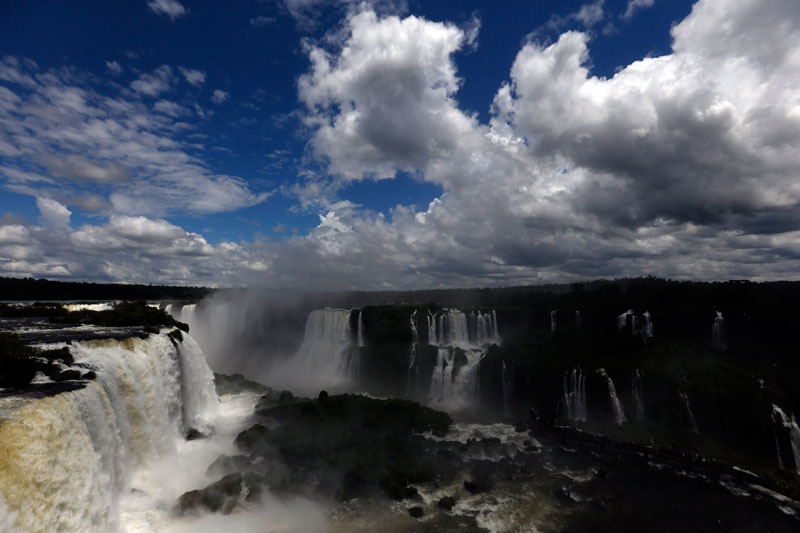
447, 503
226, 464
67, 375
222, 496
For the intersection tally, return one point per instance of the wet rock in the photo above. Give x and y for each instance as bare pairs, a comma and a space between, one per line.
253, 439
226, 464
447, 503
563, 496
416, 511
67, 375
89, 375
221, 496
471, 486
194, 434
236, 384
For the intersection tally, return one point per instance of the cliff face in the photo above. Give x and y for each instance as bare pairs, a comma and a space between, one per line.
696, 365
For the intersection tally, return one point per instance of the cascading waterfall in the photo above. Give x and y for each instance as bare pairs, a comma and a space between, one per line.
462, 341
689, 412
616, 405
622, 320
328, 347
638, 394
574, 399
553, 317
65, 459
412, 380
648, 331
361, 341
787, 440
718, 333
578, 320
328, 344
508, 389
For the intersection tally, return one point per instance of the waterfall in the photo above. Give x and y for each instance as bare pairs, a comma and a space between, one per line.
648, 331
462, 341
616, 405
327, 349
454, 381
508, 389
432, 333
574, 399
66, 459
787, 439
578, 320
187, 313
412, 379
553, 321
718, 333
689, 413
622, 320
638, 395
361, 328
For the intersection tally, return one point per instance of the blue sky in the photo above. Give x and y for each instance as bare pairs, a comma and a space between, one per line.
396, 144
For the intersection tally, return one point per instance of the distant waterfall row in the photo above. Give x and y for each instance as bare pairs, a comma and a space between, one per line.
65, 459
451, 327
573, 400
462, 341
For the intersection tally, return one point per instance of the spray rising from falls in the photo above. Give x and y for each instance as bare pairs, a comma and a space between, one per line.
65, 459
616, 405
328, 349
462, 342
574, 399
787, 440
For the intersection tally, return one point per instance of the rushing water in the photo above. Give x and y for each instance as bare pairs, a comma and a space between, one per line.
66, 459
616, 404
574, 399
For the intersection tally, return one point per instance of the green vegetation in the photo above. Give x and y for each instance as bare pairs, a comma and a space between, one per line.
19, 362
42, 289
124, 314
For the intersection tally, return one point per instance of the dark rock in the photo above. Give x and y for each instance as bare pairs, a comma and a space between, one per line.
221, 496
237, 383
89, 375
61, 354
562, 495
151, 329
175, 336
254, 439
226, 464
254, 484
416, 511
348, 445
67, 375
194, 434
471, 486
446, 503
323, 395
286, 398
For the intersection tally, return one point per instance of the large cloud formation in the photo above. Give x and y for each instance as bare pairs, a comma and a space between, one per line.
683, 165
